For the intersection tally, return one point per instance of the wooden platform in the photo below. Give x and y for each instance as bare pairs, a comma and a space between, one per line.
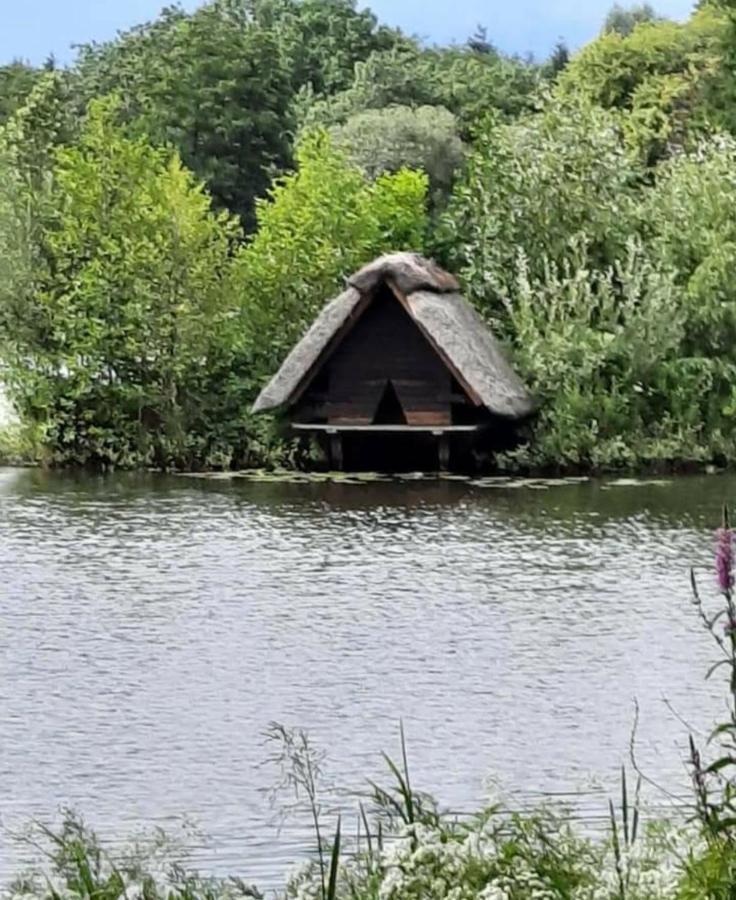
436, 430
335, 433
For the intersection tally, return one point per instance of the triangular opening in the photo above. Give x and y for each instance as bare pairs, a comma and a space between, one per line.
389, 410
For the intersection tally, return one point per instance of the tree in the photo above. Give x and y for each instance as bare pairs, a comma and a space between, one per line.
397, 137
110, 352
610, 69
614, 288
29, 141
468, 84
536, 187
322, 40
663, 73
16, 82
218, 84
691, 216
624, 19
478, 42
318, 225
16, 256
214, 84
558, 60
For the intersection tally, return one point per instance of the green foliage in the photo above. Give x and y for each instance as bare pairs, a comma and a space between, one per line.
218, 84
77, 866
615, 294
214, 85
469, 85
108, 353
20, 445
133, 331
537, 186
16, 82
690, 215
624, 19
397, 137
589, 217
597, 347
28, 143
558, 61
322, 40
611, 68
710, 874
319, 224
15, 232
660, 71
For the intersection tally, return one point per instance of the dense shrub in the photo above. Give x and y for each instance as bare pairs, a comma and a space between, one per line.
318, 225
145, 328
109, 350
614, 292
586, 204
396, 137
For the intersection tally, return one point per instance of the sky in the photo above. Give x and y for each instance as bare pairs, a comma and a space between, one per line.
34, 29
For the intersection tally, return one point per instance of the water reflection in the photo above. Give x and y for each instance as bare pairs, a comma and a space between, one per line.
152, 628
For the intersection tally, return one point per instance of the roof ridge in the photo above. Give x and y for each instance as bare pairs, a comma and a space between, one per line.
408, 270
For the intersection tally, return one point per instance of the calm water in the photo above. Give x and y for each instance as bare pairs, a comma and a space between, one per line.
152, 628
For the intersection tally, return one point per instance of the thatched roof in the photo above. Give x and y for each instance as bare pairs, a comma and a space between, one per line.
432, 298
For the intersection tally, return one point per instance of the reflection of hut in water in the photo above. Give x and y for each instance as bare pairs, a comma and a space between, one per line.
400, 372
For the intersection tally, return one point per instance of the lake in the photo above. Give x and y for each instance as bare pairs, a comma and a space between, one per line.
152, 628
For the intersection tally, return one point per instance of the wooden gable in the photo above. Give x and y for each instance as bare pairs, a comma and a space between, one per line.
383, 370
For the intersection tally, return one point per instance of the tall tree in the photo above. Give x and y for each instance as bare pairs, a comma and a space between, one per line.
470, 85
111, 349
396, 137
214, 84
319, 224
558, 60
624, 19
478, 42
322, 40
16, 82
218, 84
665, 74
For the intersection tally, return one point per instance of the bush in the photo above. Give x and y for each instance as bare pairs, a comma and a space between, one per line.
664, 73
108, 352
538, 186
397, 137
615, 293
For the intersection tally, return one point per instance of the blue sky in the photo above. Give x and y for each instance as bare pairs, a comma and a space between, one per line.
32, 29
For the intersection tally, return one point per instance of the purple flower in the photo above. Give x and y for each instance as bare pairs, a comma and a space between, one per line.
724, 558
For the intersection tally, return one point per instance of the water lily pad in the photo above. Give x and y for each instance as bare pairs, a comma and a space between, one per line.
637, 482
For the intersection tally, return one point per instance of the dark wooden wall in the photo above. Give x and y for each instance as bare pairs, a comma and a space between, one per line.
386, 346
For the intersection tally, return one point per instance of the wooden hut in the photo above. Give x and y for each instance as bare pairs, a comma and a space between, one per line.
398, 362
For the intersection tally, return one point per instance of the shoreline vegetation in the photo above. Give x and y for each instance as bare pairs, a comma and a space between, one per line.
178, 203
401, 845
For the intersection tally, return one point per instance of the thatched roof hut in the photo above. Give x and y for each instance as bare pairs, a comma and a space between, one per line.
400, 350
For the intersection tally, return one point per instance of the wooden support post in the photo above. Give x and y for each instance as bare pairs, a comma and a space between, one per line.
336, 460
443, 451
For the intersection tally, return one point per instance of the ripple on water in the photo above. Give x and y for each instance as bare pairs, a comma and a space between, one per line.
152, 628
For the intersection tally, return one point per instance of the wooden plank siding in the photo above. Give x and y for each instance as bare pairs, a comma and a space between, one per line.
385, 345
